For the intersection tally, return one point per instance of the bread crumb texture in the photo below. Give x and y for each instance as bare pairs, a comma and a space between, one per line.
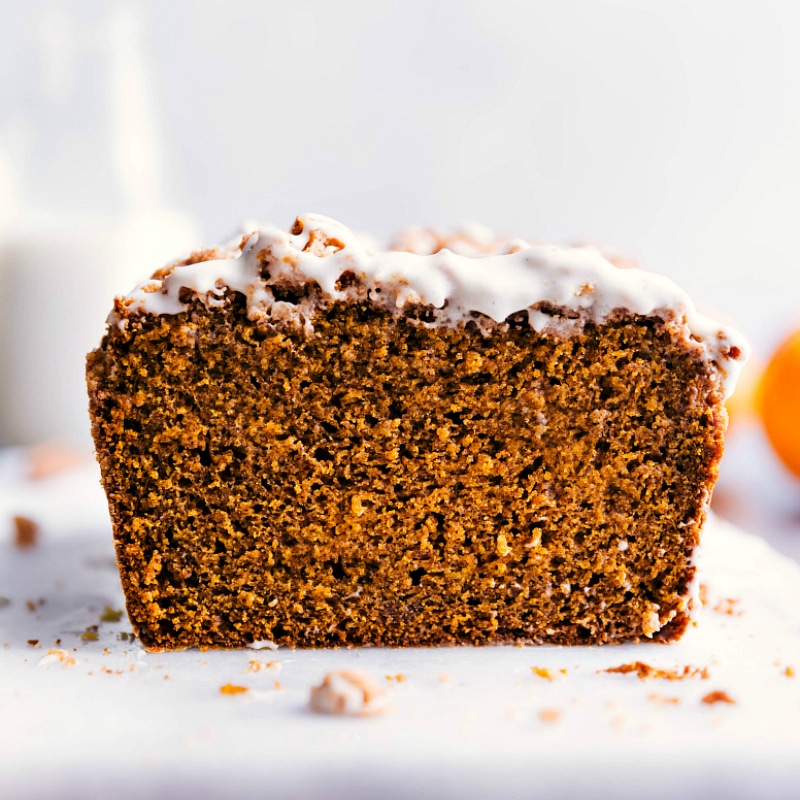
377, 480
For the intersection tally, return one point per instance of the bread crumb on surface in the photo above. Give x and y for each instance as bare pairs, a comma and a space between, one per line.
90, 634
230, 688
26, 532
549, 674
645, 671
663, 700
348, 693
34, 642
256, 665
727, 606
549, 715
789, 672
399, 678
717, 697
111, 614
56, 656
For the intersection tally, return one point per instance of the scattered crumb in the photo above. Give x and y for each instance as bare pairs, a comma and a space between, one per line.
57, 642
645, 671
549, 674
348, 692
90, 634
399, 678
230, 688
703, 591
34, 605
4, 602
109, 671
789, 672
717, 697
278, 686
26, 532
50, 458
728, 606
166, 677
111, 615
124, 636
55, 655
663, 699
34, 642
549, 715
257, 666
444, 677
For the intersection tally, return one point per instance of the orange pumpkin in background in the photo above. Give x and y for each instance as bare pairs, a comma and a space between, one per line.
779, 402
745, 403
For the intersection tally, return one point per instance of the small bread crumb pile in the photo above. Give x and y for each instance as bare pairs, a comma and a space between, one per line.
645, 671
349, 693
57, 656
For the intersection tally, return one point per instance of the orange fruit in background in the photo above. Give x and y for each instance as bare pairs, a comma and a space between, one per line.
779, 398
744, 404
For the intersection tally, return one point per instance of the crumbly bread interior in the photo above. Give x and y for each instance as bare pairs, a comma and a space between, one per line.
380, 481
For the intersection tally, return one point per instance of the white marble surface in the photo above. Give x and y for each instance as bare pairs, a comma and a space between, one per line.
465, 722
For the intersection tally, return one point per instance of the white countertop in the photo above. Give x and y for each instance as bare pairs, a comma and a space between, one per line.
464, 722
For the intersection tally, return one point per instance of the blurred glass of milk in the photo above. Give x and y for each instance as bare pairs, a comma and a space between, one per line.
82, 215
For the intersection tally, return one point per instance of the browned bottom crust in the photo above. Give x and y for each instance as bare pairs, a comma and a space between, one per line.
379, 482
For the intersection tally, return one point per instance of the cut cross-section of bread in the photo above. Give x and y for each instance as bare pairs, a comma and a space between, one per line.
308, 443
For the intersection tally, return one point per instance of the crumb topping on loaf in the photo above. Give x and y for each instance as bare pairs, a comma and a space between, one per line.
489, 276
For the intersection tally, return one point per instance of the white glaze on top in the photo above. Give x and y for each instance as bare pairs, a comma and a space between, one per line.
496, 280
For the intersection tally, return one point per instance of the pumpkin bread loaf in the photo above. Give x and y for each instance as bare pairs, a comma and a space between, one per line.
307, 442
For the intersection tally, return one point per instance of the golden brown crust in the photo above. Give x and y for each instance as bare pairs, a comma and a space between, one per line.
380, 482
